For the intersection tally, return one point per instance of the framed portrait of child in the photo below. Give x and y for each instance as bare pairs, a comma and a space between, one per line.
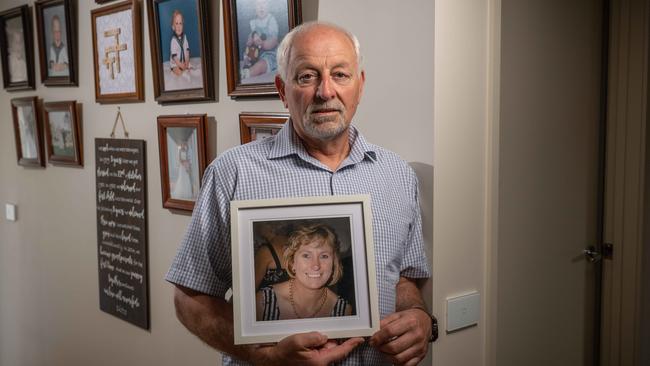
57, 42
253, 31
17, 49
181, 56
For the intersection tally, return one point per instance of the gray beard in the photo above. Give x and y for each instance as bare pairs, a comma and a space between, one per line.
314, 126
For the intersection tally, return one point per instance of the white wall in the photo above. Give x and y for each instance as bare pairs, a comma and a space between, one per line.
49, 311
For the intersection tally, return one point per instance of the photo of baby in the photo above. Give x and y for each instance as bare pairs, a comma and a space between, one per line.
261, 25
179, 44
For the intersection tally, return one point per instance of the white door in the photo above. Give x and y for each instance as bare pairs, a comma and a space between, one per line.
549, 176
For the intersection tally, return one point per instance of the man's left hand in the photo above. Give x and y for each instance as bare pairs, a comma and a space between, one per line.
404, 336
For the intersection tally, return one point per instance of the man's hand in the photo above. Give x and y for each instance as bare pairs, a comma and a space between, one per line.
313, 349
404, 336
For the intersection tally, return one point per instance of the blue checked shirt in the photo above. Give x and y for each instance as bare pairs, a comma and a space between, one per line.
278, 167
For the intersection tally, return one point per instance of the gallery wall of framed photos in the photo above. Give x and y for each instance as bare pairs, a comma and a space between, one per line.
51, 248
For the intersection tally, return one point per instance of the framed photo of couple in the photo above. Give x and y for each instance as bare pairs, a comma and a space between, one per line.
179, 34
17, 49
303, 264
253, 30
64, 133
182, 144
57, 42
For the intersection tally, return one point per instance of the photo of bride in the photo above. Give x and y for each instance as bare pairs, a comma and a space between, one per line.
181, 140
183, 163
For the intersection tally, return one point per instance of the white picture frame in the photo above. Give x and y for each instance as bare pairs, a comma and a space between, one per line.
358, 237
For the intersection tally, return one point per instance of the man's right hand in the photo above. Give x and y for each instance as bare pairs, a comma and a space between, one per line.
313, 349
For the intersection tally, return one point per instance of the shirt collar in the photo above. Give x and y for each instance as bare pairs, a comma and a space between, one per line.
288, 143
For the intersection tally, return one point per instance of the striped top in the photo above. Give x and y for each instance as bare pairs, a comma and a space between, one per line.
272, 310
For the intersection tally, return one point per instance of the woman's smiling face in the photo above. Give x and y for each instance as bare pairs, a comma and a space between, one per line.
313, 263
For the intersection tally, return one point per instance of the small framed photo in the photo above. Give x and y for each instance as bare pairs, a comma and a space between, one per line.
181, 140
303, 264
256, 126
28, 130
17, 49
63, 131
117, 52
57, 42
179, 34
253, 31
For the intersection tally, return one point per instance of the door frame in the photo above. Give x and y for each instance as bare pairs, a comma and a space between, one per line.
624, 182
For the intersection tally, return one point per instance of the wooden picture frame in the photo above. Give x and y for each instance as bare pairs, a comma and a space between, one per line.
255, 126
56, 28
183, 83
117, 52
250, 75
349, 222
28, 131
63, 132
17, 49
182, 146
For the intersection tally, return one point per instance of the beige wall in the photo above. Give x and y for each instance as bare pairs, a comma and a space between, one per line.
48, 274
460, 161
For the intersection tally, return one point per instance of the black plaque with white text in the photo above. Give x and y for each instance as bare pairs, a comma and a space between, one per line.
122, 229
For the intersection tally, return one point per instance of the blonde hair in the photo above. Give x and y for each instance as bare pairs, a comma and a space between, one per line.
174, 14
307, 234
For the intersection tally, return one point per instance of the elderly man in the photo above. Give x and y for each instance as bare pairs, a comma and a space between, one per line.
317, 152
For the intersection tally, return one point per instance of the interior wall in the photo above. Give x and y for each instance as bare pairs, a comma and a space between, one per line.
49, 310
461, 160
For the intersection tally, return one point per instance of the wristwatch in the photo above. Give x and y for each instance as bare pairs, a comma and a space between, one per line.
434, 324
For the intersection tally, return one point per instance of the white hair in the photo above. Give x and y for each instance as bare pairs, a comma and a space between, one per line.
284, 49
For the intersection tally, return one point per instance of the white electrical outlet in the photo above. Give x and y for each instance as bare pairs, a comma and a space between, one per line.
463, 311
10, 212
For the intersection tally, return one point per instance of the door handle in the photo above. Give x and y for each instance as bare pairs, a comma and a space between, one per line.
592, 254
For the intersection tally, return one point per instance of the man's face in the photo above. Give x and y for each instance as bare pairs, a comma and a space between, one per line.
178, 24
323, 86
56, 31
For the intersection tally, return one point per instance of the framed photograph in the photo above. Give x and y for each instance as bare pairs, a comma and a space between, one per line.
181, 140
319, 275
117, 52
256, 126
17, 49
57, 42
179, 34
28, 131
63, 132
253, 31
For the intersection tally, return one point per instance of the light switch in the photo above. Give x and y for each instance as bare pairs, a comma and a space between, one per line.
10, 211
463, 311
